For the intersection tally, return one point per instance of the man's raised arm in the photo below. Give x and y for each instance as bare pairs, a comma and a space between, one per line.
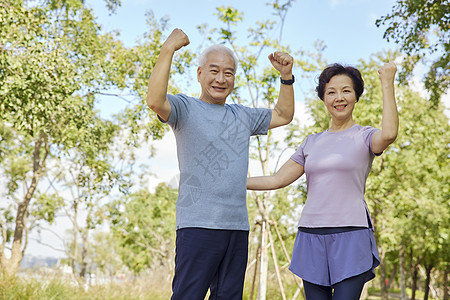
283, 113
159, 79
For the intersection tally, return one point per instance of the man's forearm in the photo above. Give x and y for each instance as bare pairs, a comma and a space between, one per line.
159, 80
285, 104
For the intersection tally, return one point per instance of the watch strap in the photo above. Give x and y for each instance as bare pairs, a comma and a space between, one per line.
289, 81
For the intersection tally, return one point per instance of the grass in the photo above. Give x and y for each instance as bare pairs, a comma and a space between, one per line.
374, 294
14, 288
151, 287
55, 288
46, 287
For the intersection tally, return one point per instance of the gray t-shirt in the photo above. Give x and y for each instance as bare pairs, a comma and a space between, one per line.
213, 153
336, 166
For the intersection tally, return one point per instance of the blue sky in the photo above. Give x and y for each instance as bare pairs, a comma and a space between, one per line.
346, 26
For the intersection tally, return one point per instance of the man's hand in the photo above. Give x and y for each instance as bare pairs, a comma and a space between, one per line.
283, 112
176, 40
283, 62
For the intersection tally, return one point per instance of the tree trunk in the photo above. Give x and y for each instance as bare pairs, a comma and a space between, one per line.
381, 252
255, 274
10, 266
288, 258
262, 203
275, 262
414, 282
84, 251
262, 287
383, 287
428, 269
265, 227
392, 277
401, 259
74, 254
446, 296
415, 273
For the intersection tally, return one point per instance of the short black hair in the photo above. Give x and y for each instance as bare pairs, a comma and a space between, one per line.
338, 69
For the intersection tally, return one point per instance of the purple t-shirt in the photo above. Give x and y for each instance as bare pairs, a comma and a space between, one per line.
336, 166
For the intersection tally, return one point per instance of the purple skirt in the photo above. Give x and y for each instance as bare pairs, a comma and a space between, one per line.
330, 258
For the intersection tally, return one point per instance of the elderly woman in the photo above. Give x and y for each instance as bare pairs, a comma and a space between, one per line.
335, 252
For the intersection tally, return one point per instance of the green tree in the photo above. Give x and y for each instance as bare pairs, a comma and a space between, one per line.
417, 205
53, 60
143, 225
422, 29
138, 65
84, 179
104, 255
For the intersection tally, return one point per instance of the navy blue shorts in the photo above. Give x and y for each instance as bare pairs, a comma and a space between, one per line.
210, 258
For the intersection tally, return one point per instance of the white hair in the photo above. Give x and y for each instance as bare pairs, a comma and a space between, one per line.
217, 48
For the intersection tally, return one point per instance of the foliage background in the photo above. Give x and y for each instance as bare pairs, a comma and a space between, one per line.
65, 156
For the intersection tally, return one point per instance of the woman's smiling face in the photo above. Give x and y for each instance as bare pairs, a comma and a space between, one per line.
340, 97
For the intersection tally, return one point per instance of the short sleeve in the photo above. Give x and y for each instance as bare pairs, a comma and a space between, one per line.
178, 106
260, 120
367, 133
299, 155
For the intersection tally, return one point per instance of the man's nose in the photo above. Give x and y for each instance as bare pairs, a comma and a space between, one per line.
220, 77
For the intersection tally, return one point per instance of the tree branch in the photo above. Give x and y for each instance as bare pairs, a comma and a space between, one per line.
49, 245
56, 234
115, 95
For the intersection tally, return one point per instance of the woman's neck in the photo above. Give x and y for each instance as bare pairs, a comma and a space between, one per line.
341, 125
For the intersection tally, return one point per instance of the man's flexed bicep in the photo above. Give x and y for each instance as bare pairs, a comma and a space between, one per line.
159, 79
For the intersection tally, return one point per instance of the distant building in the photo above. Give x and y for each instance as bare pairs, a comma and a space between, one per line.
30, 261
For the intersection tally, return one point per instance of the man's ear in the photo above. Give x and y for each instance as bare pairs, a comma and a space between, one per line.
199, 71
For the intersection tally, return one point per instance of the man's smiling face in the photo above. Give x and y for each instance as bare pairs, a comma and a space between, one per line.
216, 77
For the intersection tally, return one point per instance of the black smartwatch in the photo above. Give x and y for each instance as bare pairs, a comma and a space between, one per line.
288, 82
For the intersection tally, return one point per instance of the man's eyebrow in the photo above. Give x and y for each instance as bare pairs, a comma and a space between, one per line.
216, 66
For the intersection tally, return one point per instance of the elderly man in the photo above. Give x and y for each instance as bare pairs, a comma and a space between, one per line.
213, 148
